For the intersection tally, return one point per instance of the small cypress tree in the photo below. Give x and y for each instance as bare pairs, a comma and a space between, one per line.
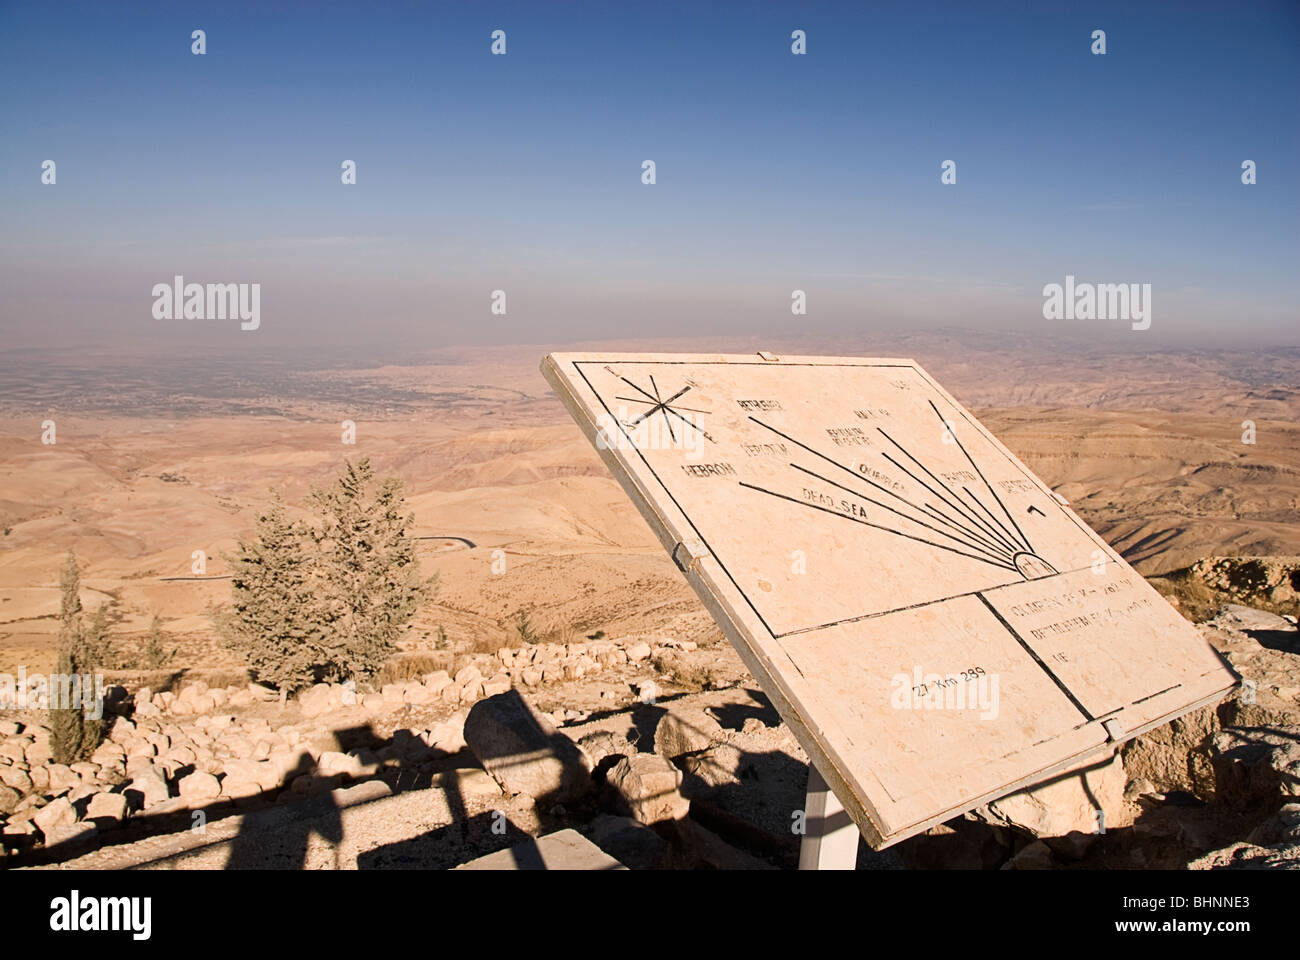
524, 627
155, 653
276, 619
74, 734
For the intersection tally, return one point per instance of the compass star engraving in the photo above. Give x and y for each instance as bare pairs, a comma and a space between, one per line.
667, 407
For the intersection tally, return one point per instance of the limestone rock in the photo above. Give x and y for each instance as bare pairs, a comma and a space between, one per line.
1175, 756
418, 693
236, 789
437, 681
564, 850
320, 699
963, 843
70, 834
1066, 807
38, 752
354, 765
628, 841
685, 729
1254, 765
602, 744
108, 753
719, 766
58, 813
147, 789
1036, 856
470, 674
40, 778
62, 778
1271, 579
17, 779
647, 787
199, 786
467, 782
523, 752
1282, 827
1249, 856
107, 806
260, 772
9, 798
121, 731
696, 848
449, 737
1249, 619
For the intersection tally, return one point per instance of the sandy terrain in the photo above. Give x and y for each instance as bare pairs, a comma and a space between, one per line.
149, 468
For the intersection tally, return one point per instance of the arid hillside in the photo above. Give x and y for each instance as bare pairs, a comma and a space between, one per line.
148, 470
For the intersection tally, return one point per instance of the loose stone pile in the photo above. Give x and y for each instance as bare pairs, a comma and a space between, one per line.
524, 667
1273, 579
155, 766
175, 751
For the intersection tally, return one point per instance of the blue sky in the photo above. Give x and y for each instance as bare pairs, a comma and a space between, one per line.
522, 172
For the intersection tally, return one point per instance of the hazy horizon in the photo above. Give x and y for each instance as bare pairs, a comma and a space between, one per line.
522, 173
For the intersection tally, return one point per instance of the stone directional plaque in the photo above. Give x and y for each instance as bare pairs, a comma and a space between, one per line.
934, 623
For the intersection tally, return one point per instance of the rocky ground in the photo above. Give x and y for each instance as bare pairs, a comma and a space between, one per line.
663, 752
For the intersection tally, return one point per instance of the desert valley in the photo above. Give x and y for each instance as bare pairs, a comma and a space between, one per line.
157, 469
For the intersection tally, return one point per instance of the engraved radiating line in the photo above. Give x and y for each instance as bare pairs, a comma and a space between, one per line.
976, 546
971, 523
675, 395
1023, 538
971, 530
636, 388
974, 532
673, 411
983, 551
1001, 525
676, 407
955, 502
996, 543
908, 536
648, 413
962, 511
986, 543
659, 404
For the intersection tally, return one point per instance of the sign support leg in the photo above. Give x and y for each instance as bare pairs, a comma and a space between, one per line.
830, 841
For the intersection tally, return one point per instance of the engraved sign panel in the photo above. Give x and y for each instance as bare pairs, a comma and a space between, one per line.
934, 623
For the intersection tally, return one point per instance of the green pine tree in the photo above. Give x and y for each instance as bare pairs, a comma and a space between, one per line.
370, 578
276, 620
326, 603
